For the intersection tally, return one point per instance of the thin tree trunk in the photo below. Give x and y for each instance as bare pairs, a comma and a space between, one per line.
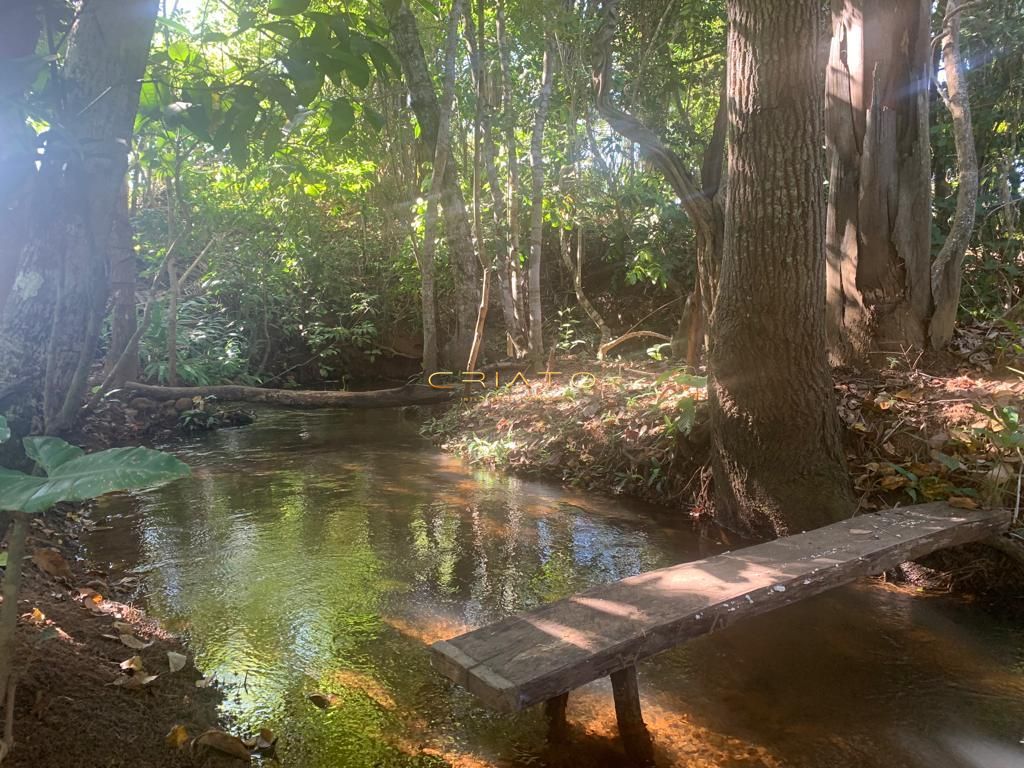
699, 198
947, 271
877, 231
442, 153
9, 610
462, 253
576, 270
512, 268
123, 276
536, 339
777, 458
172, 322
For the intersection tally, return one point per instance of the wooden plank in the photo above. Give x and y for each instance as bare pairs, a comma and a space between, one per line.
535, 656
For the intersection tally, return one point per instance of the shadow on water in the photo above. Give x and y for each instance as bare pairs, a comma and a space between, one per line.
322, 551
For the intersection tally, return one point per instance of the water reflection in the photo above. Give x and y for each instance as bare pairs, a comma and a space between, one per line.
321, 552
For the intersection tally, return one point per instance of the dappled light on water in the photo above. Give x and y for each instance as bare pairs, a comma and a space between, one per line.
319, 554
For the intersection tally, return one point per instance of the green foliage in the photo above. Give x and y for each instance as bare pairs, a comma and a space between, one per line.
72, 475
212, 348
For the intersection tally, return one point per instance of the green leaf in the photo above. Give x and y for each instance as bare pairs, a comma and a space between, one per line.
373, 117
342, 117
288, 7
5, 431
179, 50
172, 25
3, 559
358, 71
50, 452
89, 476
283, 28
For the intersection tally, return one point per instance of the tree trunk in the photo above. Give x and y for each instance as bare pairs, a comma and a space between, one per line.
49, 323
20, 28
778, 461
947, 271
878, 226
576, 270
699, 198
123, 275
536, 340
442, 153
458, 236
511, 269
172, 322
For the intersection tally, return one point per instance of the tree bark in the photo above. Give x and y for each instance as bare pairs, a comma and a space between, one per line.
458, 236
878, 226
777, 458
49, 321
947, 271
536, 339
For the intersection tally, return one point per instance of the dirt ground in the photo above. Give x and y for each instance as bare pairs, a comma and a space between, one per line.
75, 705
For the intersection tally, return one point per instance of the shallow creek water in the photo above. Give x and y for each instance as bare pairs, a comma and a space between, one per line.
323, 551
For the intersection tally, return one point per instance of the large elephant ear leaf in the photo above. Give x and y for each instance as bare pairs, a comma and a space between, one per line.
17, 489
5, 431
50, 452
92, 475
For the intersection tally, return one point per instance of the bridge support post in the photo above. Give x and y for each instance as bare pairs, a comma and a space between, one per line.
554, 712
632, 729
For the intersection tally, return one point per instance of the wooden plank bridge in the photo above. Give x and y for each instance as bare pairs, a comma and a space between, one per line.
541, 655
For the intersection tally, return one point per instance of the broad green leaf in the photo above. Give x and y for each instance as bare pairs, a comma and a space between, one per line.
89, 476
373, 117
179, 50
358, 71
288, 7
50, 452
342, 116
5, 431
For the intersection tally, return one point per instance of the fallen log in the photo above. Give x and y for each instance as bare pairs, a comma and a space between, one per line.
410, 394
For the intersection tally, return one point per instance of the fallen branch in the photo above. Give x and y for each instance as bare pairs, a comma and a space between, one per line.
411, 394
604, 349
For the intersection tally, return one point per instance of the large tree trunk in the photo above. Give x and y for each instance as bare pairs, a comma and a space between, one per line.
458, 236
777, 457
20, 27
947, 271
536, 341
878, 228
50, 321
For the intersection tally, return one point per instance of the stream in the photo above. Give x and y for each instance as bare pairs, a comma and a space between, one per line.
322, 551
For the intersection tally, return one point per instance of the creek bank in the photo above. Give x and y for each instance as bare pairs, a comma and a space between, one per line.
130, 420
910, 437
76, 704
